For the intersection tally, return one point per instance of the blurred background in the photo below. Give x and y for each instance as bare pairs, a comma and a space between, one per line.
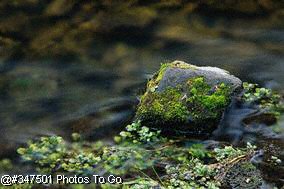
76, 66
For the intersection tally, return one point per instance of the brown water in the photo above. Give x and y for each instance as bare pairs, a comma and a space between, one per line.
79, 67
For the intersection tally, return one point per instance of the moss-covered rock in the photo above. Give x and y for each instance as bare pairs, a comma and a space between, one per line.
185, 99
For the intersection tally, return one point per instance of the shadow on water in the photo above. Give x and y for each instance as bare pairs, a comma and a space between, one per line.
242, 123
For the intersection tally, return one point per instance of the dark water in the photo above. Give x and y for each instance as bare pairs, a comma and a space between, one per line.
79, 70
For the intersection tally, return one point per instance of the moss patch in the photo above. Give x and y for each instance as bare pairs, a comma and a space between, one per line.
205, 102
157, 77
164, 107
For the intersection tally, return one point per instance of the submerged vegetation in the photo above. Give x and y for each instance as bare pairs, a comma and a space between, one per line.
139, 134
164, 163
267, 100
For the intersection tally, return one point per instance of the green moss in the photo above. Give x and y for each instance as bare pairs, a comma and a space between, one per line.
182, 65
166, 106
154, 82
194, 103
162, 70
205, 102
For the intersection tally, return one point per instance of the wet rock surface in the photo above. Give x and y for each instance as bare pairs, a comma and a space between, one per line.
185, 99
180, 72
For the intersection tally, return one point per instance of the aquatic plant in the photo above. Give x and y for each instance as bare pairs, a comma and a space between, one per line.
195, 174
275, 160
81, 164
266, 99
139, 134
128, 159
48, 153
165, 164
51, 154
145, 158
18, 186
227, 152
198, 151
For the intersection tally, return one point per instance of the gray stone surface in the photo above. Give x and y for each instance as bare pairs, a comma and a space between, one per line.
174, 76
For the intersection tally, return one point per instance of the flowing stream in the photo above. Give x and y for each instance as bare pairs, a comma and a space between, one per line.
81, 71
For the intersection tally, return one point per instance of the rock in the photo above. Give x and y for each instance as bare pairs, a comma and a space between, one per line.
271, 161
260, 117
183, 99
243, 175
